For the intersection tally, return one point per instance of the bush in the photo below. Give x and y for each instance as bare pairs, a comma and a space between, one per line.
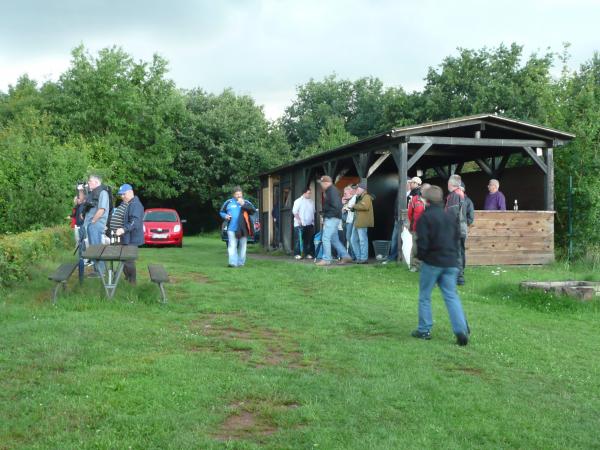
19, 251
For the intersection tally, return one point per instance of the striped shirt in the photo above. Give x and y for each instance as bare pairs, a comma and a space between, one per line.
116, 221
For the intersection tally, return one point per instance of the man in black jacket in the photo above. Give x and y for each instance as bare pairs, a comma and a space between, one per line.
332, 218
437, 248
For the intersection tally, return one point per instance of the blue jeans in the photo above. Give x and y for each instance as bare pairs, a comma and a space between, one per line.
236, 249
445, 278
330, 237
349, 228
94, 234
298, 242
394, 244
360, 243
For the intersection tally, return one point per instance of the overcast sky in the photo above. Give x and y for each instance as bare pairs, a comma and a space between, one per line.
266, 48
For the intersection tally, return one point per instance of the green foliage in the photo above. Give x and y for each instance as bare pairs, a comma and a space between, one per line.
19, 252
331, 136
488, 81
226, 142
37, 173
364, 106
129, 111
578, 111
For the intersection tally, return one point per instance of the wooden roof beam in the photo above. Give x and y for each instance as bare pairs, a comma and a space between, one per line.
481, 142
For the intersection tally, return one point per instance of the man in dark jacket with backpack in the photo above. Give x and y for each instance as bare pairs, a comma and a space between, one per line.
437, 248
132, 232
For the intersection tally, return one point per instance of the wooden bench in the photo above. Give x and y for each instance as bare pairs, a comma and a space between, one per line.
159, 275
61, 276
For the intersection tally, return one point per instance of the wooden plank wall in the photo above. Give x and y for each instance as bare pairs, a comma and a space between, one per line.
511, 237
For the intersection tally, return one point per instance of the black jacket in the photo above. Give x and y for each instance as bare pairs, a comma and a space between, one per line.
245, 229
332, 206
437, 237
133, 223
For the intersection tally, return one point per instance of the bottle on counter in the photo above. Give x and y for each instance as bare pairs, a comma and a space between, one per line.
516, 206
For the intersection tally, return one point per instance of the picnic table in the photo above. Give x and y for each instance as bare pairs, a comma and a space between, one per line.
112, 255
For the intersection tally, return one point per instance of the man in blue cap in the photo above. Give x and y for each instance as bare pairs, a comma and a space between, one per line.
132, 232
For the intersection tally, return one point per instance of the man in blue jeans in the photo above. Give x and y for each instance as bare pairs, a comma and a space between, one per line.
99, 203
237, 212
437, 248
332, 219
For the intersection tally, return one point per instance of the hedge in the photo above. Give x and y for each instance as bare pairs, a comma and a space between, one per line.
19, 251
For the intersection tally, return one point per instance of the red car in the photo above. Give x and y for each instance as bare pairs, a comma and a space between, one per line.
163, 226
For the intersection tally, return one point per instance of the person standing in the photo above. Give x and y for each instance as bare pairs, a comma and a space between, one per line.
495, 200
98, 203
332, 217
416, 206
304, 225
132, 231
455, 206
437, 248
363, 220
237, 212
348, 200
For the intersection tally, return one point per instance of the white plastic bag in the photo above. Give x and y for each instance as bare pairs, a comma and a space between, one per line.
406, 245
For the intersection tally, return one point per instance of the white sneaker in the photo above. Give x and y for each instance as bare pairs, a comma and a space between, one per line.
298, 257
309, 257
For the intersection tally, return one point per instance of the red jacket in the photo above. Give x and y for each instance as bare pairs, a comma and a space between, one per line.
416, 206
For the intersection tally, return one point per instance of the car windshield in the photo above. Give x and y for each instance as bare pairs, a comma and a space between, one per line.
160, 216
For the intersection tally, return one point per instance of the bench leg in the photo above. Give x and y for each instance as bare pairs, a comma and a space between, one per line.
162, 293
55, 291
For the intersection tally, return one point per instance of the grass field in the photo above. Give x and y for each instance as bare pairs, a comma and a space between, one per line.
284, 355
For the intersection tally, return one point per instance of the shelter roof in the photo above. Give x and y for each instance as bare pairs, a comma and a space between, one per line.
491, 125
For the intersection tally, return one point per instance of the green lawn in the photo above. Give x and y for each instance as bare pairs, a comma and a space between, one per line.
284, 355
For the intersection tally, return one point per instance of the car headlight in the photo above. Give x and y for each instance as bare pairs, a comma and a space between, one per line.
144, 228
176, 228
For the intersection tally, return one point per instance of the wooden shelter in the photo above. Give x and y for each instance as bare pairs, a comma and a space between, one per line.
518, 154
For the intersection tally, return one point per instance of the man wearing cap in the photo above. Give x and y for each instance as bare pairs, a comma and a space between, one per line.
437, 248
332, 217
455, 206
416, 206
363, 220
132, 232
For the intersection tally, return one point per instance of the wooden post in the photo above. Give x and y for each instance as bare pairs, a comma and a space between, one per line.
401, 159
549, 179
269, 207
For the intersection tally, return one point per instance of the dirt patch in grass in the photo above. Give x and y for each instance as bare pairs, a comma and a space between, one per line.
46, 297
276, 356
249, 420
475, 371
261, 347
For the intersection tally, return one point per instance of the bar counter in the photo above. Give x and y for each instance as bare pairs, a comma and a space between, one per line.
511, 238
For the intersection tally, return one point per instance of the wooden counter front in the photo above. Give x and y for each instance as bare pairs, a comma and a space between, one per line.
511, 237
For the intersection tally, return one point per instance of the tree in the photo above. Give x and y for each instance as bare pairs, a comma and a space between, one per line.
331, 136
129, 112
488, 81
227, 141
